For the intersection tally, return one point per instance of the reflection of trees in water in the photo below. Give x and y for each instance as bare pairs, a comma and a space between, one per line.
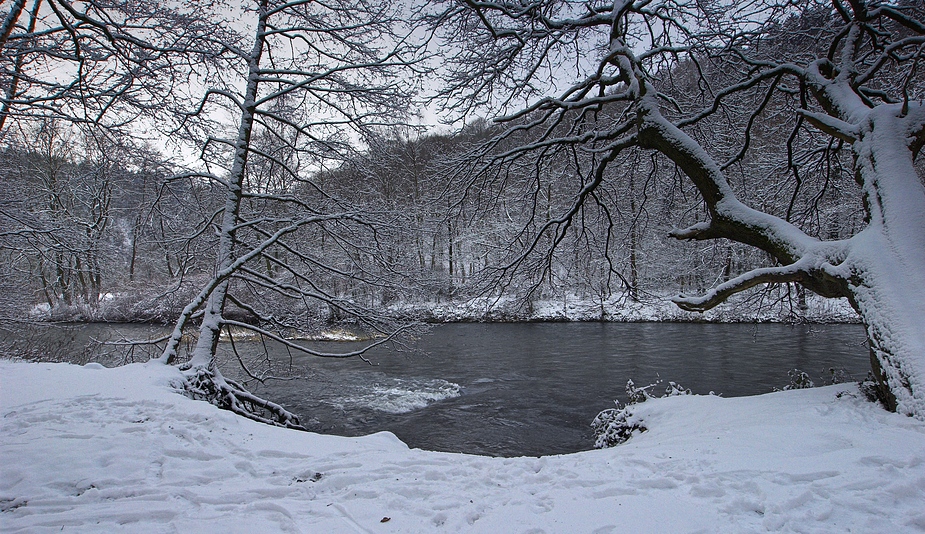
77, 343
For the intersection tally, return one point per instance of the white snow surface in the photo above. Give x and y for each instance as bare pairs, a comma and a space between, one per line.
90, 449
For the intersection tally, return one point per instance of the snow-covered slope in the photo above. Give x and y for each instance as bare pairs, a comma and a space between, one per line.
88, 449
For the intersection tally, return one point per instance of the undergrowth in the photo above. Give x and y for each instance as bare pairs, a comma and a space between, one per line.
617, 425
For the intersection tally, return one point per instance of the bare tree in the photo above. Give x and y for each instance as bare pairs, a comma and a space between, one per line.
317, 79
60, 184
304, 82
103, 73
692, 81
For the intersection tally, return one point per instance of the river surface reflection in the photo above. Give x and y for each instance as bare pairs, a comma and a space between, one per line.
516, 389
533, 388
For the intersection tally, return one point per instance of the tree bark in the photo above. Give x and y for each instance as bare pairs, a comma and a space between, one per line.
204, 352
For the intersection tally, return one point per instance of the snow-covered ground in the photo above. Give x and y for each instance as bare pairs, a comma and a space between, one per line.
89, 449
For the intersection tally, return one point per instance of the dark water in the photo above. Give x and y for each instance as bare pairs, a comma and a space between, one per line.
533, 389
530, 388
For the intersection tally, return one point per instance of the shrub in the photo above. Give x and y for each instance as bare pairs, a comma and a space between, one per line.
617, 425
798, 380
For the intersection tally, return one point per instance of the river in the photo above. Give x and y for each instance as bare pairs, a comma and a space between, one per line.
532, 389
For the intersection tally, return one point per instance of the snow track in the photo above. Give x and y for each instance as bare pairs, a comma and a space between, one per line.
93, 450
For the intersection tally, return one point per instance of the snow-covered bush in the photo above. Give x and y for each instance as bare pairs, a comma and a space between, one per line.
635, 394
839, 376
614, 426
798, 380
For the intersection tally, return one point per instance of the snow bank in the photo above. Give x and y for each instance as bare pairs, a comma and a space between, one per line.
88, 449
739, 308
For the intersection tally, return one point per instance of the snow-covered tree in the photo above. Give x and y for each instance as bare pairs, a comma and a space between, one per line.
271, 95
313, 81
709, 86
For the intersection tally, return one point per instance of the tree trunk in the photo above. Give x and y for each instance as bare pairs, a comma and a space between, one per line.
204, 352
886, 261
891, 302
881, 269
634, 242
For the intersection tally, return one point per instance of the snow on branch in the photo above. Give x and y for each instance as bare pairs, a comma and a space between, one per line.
768, 275
699, 231
832, 126
170, 351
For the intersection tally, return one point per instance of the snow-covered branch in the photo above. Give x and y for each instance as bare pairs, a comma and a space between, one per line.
719, 294
832, 126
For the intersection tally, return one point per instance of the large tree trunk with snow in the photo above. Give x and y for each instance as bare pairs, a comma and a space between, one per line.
204, 380
887, 291
845, 75
330, 72
211, 326
885, 264
880, 270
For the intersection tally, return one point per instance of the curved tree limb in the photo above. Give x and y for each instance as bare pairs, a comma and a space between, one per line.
769, 275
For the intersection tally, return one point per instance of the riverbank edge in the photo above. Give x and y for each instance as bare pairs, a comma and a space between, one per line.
660, 309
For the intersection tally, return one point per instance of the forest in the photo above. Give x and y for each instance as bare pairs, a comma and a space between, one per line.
101, 237
267, 166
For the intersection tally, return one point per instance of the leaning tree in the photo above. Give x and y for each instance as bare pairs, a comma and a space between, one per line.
315, 81
266, 97
729, 94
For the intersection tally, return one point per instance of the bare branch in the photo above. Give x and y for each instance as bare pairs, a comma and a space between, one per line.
719, 294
